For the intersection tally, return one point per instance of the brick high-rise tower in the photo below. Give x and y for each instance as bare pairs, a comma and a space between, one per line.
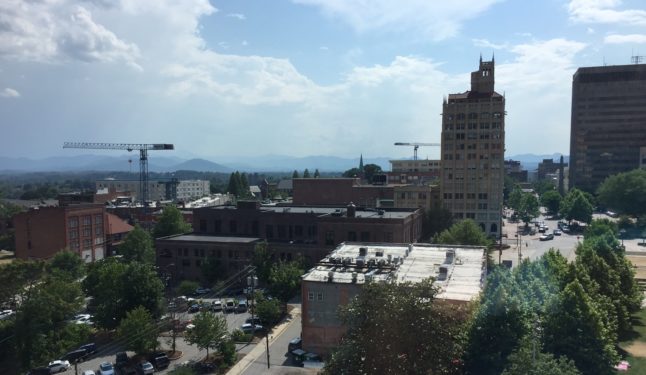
473, 147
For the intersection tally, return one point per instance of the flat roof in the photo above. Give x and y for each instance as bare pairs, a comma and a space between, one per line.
340, 211
206, 238
459, 271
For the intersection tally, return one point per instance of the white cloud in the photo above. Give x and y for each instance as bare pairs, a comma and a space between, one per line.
54, 31
436, 20
8, 92
484, 43
324, 48
244, 43
628, 38
239, 16
604, 11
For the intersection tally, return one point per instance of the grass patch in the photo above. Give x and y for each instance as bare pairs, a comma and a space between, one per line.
633, 344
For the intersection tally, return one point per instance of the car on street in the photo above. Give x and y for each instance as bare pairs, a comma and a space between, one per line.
216, 305
89, 372
145, 368
229, 306
295, 343
58, 366
248, 328
546, 237
75, 356
194, 308
106, 368
254, 320
557, 232
159, 360
242, 306
6, 314
200, 291
121, 359
85, 320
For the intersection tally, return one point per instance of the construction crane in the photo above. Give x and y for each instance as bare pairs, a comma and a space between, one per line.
143, 158
415, 146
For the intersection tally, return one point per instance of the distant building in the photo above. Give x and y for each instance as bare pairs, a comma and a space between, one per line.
340, 191
414, 171
608, 127
159, 190
417, 196
116, 231
459, 271
473, 147
548, 169
514, 169
191, 189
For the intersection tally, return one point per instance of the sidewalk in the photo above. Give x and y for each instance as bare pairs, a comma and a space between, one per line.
260, 348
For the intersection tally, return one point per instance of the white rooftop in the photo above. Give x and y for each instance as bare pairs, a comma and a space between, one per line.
459, 270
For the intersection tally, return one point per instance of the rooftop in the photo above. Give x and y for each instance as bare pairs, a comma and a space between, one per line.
459, 270
340, 211
204, 238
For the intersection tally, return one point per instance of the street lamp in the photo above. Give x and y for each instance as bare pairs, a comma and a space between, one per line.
622, 233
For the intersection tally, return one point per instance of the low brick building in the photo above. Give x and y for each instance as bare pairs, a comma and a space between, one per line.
42, 232
339, 191
460, 272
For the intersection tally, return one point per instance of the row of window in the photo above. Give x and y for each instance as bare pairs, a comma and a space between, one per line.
471, 156
472, 136
473, 126
447, 146
311, 295
473, 115
468, 195
73, 221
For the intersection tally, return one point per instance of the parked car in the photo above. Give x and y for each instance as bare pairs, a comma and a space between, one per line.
145, 368
254, 320
6, 314
546, 237
242, 306
194, 308
216, 305
58, 366
557, 232
229, 306
159, 359
39, 371
121, 359
295, 343
89, 372
106, 368
75, 356
248, 328
89, 348
200, 291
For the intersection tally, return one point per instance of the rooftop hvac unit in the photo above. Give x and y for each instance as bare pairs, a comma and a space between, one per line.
382, 263
372, 262
390, 258
354, 277
379, 254
450, 256
363, 251
330, 276
444, 272
360, 262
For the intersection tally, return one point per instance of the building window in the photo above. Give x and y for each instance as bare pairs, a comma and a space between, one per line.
98, 219
87, 220
217, 226
388, 236
329, 237
233, 226
319, 296
352, 236
185, 252
202, 253
310, 296
195, 252
73, 234
87, 232
269, 231
87, 244
298, 230
73, 222
186, 263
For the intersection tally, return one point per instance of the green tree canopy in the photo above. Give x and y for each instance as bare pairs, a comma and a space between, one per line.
171, 222
317, 174
187, 287
515, 197
138, 247
389, 326
551, 200
269, 311
295, 174
139, 331
528, 359
306, 173
285, 280
370, 170
68, 264
262, 261
352, 172
436, 220
575, 206
212, 269
210, 331
528, 208
464, 232
624, 192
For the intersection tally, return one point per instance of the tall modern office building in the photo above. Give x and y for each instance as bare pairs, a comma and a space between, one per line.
608, 122
473, 147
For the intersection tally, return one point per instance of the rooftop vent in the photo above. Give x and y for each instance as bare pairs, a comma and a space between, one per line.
354, 277
450, 256
379, 254
444, 272
351, 210
363, 251
330, 276
360, 262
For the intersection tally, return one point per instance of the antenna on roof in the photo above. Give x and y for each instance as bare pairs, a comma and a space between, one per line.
637, 59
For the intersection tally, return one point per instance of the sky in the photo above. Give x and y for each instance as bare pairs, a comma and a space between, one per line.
221, 79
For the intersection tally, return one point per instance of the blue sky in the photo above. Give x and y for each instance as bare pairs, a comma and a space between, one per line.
221, 79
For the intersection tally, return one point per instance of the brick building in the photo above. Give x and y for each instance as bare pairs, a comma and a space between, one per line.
307, 232
339, 191
460, 272
414, 171
42, 232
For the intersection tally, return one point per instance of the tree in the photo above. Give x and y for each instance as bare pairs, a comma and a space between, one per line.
370, 170
228, 350
212, 269
600, 227
18, 278
389, 331
575, 206
171, 222
574, 328
317, 174
138, 247
464, 232
625, 192
68, 264
514, 198
543, 186
139, 331
118, 287
436, 220
528, 359
551, 200
262, 261
210, 331
528, 209
295, 174
268, 311
352, 172
306, 173
285, 280
187, 287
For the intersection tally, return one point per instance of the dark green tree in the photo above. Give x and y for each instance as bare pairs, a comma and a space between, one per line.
285, 280
138, 247
212, 269
171, 222
139, 331
370, 170
306, 173
262, 261
464, 232
295, 174
574, 328
18, 278
269, 311
528, 208
528, 359
575, 206
317, 174
187, 287
624, 192
515, 198
352, 172
400, 318
436, 220
68, 264
600, 227
209, 333
551, 200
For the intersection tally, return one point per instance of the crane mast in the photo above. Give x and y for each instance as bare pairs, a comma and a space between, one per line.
415, 146
143, 159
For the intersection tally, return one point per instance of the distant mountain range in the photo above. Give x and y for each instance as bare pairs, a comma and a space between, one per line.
267, 163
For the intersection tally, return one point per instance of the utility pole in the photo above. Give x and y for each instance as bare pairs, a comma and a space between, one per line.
267, 341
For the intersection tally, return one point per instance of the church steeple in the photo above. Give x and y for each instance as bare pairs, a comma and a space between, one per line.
361, 172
